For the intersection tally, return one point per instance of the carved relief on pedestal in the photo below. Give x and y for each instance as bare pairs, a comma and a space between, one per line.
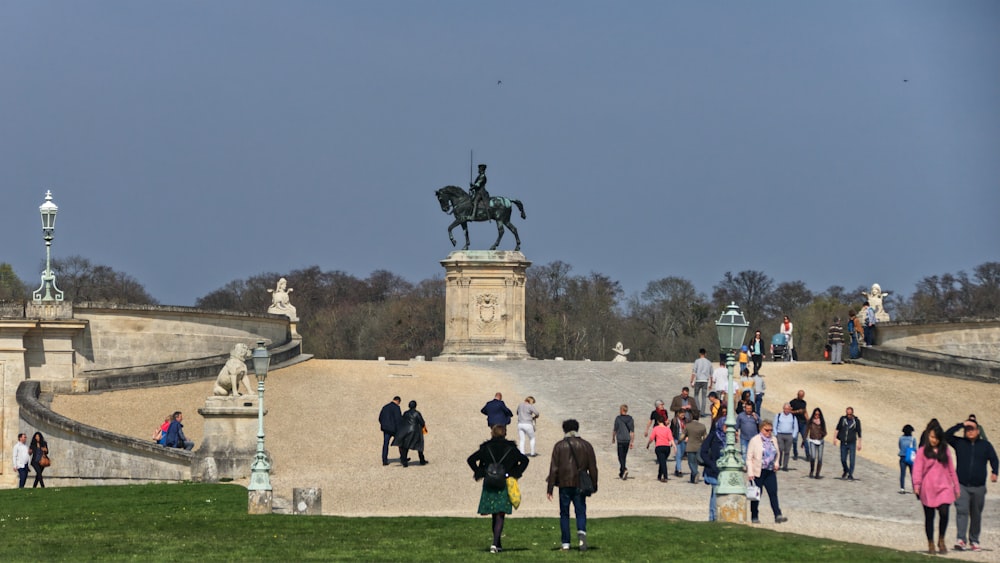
488, 313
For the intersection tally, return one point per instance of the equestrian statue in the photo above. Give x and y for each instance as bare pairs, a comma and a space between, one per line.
477, 205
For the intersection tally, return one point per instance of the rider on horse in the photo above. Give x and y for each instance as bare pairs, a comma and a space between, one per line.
480, 197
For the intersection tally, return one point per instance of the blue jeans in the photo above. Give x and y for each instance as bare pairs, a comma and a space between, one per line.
711, 501
693, 464
569, 495
743, 447
681, 448
903, 466
757, 401
847, 452
22, 476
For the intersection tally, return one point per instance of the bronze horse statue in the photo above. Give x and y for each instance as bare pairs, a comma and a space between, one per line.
458, 202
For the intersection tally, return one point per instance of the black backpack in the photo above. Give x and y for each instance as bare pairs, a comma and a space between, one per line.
496, 474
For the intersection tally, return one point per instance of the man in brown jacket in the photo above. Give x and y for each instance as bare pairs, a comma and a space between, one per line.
569, 457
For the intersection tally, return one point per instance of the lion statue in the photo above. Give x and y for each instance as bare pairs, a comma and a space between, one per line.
233, 372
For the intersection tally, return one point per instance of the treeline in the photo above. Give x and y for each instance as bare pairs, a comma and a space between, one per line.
567, 315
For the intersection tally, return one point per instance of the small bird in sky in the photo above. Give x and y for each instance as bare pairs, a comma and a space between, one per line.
905, 80
499, 83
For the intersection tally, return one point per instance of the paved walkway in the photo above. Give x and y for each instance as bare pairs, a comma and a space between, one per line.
322, 431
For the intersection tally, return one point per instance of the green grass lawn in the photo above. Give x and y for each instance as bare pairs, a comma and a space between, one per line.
198, 522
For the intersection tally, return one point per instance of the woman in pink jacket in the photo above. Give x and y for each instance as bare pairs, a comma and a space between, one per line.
936, 484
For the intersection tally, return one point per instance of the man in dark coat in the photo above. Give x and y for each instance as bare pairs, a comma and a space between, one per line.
972, 454
570, 456
496, 412
389, 420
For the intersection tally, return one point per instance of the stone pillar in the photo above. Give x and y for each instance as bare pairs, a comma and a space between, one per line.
307, 501
484, 306
229, 445
12, 373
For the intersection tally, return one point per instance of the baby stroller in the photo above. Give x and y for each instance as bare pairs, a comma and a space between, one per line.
779, 347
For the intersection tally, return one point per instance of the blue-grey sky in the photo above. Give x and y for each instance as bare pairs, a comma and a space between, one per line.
189, 144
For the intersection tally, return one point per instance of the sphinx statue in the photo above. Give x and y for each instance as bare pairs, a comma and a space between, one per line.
875, 302
280, 303
620, 353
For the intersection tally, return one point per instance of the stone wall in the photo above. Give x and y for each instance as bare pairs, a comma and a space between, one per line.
135, 335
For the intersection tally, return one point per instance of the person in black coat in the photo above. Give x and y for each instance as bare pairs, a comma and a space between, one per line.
711, 450
389, 419
411, 435
496, 502
38, 448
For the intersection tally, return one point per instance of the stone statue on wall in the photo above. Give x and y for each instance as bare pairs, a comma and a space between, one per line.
234, 372
875, 302
280, 304
620, 353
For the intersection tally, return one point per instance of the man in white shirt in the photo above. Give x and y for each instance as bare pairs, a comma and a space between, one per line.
21, 459
700, 375
720, 380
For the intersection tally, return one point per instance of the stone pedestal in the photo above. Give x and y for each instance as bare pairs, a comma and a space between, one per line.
484, 306
259, 502
230, 439
307, 501
731, 508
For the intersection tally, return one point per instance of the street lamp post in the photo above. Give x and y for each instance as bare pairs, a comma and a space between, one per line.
259, 501
48, 292
732, 329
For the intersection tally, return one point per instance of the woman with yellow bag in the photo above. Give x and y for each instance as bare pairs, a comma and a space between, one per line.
499, 463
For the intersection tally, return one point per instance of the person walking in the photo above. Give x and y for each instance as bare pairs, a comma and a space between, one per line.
694, 436
494, 499
21, 457
906, 443
786, 426
762, 455
759, 387
835, 337
786, 329
936, 484
624, 435
815, 434
411, 435
677, 425
747, 426
757, 350
496, 411
658, 412
570, 457
849, 435
701, 373
663, 439
39, 452
526, 416
972, 454
389, 419
711, 449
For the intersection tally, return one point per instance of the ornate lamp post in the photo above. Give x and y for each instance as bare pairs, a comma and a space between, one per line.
732, 329
260, 472
48, 291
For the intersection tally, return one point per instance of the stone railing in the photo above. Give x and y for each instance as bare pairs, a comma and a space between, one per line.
85, 455
964, 348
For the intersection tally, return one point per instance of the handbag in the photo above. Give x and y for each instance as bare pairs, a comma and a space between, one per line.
910, 453
44, 461
513, 492
753, 492
584, 482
